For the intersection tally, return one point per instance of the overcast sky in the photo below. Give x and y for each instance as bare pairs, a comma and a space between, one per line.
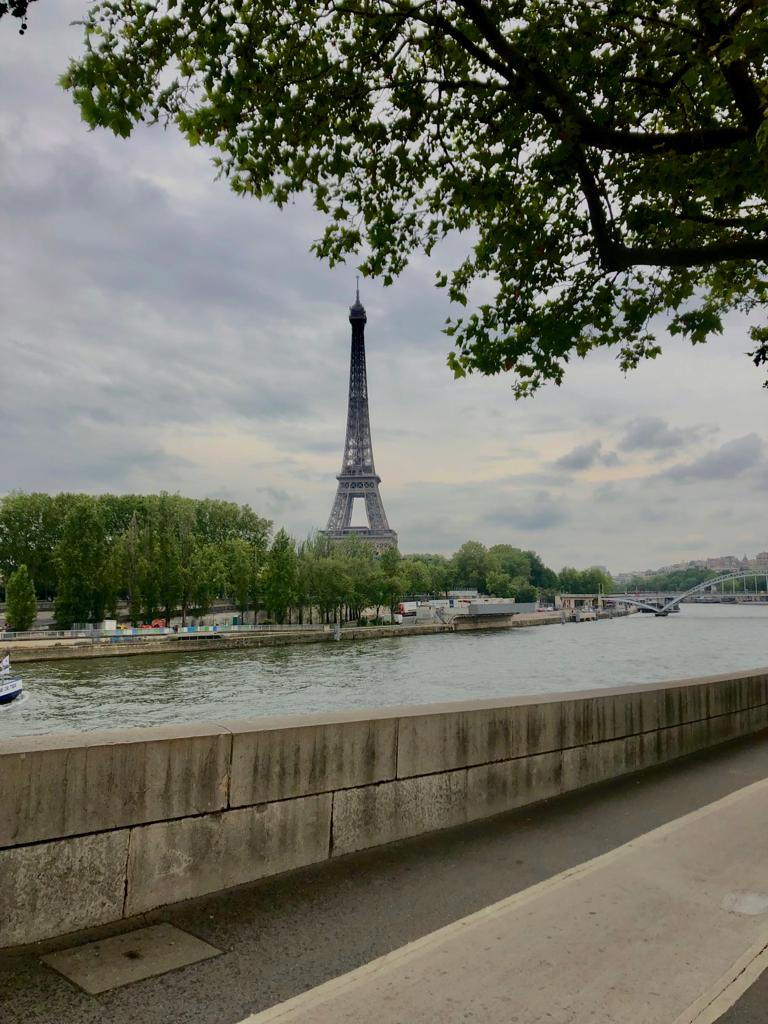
160, 333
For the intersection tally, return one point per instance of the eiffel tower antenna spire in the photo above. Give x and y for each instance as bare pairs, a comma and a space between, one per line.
358, 478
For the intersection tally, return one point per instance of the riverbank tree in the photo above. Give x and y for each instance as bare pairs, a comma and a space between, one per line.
584, 581
501, 571
20, 601
163, 555
157, 553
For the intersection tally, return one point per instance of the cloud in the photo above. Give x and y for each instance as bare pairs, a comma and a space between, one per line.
652, 433
729, 461
584, 456
275, 500
160, 332
542, 511
607, 492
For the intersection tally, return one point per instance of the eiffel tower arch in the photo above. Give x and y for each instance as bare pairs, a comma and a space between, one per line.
358, 480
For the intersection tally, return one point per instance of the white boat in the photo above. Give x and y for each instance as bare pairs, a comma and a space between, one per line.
10, 686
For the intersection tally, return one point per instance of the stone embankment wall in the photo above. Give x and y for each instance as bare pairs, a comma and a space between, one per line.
95, 827
64, 649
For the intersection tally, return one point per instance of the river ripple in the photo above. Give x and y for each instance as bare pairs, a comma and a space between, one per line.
150, 690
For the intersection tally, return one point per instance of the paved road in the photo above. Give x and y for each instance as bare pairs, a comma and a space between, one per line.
664, 928
752, 1008
284, 936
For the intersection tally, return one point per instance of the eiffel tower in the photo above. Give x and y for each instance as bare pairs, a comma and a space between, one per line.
358, 479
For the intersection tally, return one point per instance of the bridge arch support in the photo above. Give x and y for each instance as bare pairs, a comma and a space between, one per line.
645, 602
714, 582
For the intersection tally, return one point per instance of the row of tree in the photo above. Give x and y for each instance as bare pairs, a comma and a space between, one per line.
501, 571
163, 555
339, 580
159, 553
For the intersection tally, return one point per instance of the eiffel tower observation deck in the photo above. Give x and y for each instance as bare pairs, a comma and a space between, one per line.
358, 479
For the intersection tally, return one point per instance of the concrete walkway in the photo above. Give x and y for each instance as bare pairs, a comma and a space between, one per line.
656, 931
286, 935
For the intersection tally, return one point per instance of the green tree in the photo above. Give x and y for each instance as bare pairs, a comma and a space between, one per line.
357, 564
310, 584
522, 590
511, 560
605, 161
149, 581
439, 573
584, 581
111, 583
394, 582
89, 551
30, 528
81, 556
470, 566
499, 584
167, 554
188, 544
131, 568
377, 585
208, 576
20, 601
541, 576
681, 579
241, 566
279, 576
418, 576
218, 521
332, 587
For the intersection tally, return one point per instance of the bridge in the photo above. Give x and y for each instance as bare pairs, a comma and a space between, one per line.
663, 604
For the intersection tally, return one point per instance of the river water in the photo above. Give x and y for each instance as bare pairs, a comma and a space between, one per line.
150, 690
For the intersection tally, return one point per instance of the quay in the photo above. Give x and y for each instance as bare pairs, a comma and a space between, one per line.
593, 856
113, 644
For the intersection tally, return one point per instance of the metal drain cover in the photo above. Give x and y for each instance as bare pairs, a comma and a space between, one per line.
109, 963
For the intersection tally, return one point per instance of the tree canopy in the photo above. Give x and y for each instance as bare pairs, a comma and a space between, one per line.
161, 555
680, 579
604, 161
157, 552
585, 581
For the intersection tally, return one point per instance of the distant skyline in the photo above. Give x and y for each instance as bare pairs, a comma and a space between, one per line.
750, 556
159, 332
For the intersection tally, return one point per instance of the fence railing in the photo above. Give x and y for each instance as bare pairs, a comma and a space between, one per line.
137, 633
133, 634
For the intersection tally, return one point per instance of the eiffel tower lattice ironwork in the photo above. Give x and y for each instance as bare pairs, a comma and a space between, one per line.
358, 478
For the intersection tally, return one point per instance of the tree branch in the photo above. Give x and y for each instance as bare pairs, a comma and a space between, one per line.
725, 222
525, 73
744, 91
615, 256
654, 143
603, 232
701, 255
524, 70
533, 85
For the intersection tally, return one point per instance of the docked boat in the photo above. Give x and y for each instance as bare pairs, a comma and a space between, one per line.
10, 686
